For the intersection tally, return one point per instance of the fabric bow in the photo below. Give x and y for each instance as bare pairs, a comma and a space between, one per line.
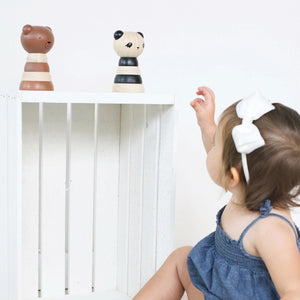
246, 136
265, 208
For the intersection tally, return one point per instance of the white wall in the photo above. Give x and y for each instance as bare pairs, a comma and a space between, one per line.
232, 46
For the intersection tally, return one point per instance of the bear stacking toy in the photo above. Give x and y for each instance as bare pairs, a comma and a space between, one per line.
128, 45
37, 41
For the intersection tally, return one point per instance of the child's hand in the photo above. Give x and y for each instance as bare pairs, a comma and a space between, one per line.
205, 112
204, 108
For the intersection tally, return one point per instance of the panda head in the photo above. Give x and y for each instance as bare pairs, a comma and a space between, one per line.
128, 43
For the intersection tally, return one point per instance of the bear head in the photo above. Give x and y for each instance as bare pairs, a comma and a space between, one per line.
37, 39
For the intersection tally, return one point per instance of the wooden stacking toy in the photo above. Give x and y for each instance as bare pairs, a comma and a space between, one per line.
128, 45
37, 41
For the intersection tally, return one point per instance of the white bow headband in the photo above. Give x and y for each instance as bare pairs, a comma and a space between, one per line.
246, 136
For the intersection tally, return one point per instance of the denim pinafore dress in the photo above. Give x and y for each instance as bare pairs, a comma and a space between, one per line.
222, 269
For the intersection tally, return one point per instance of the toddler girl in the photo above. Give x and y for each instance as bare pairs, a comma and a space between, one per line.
254, 153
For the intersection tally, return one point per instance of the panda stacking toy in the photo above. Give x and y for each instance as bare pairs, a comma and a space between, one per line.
128, 45
37, 41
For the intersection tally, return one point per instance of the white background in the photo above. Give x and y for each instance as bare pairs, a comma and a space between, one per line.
234, 47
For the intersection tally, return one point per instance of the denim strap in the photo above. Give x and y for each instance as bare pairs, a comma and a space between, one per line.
265, 210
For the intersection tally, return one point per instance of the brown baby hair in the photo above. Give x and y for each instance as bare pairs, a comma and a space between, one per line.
274, 169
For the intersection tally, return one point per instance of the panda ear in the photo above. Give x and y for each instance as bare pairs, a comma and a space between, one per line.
141, 34
118, 34
27, 28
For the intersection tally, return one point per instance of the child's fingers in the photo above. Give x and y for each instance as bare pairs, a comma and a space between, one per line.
199, 106
204, 108
196, 103
211, 92
203, 90
206, 92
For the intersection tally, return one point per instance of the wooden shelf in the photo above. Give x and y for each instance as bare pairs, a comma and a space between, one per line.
101, 98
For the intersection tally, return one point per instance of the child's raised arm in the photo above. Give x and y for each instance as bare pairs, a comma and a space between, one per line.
205, 112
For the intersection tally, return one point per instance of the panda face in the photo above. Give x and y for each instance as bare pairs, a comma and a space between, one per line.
128, 43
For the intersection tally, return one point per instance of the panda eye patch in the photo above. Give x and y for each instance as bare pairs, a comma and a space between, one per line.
129, 45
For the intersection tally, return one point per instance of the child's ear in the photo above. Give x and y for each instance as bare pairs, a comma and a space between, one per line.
233, 177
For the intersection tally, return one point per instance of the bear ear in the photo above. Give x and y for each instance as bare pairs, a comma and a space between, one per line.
27, 28
118, 34
48, 28
140, 34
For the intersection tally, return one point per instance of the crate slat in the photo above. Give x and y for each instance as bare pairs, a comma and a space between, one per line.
106, 201
136, 159
150, 190
10, 200
81, 199
123, 207
94, 97
14, 171
108, 295
52, 202
30, 200
166, 184
4, 270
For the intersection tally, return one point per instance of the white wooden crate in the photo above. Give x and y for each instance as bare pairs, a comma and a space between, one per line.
87, 193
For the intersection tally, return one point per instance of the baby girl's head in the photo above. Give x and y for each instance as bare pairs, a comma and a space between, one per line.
274, 168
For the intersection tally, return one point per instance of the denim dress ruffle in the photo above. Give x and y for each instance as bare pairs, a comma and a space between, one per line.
222, 269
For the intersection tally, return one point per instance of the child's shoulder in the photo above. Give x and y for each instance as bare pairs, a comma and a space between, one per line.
275, 228
261, 232
277, 221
